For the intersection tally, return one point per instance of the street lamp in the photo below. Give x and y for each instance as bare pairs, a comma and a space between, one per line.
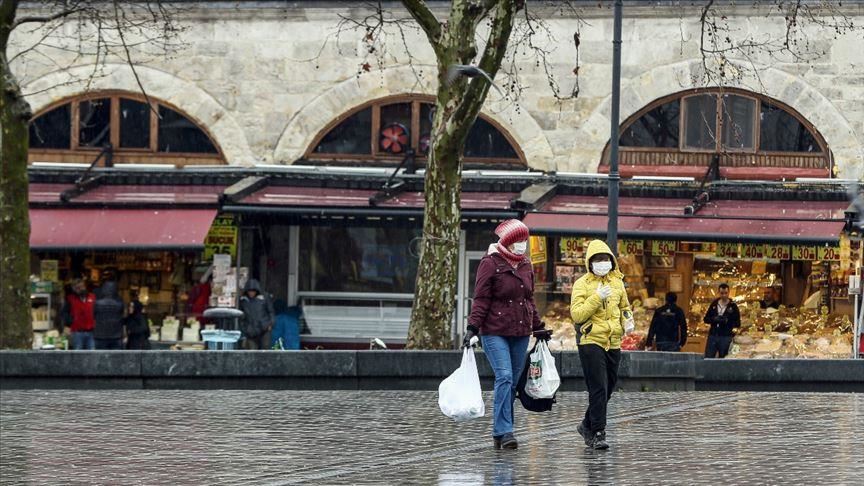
614, 177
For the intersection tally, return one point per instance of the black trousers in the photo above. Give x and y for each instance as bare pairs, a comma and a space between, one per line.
718, 345
600, 368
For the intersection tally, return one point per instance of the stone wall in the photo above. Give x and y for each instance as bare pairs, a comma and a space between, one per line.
264, 79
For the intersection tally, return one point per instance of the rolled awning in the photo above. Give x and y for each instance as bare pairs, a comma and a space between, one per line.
654, 218
97, 229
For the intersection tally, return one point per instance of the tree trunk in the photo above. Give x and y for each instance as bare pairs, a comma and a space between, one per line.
457, 106
435, 297
15, 326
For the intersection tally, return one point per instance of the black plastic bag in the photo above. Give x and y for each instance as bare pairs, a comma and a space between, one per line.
528, 402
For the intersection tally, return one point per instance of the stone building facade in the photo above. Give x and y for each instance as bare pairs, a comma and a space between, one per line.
263, 79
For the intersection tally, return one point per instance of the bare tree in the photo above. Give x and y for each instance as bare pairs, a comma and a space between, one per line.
106, 30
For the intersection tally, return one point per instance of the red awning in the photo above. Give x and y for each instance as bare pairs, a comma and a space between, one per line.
119, 228
313, 197
765, 221
130, 194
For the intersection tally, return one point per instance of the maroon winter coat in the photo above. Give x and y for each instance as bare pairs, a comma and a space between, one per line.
504, 299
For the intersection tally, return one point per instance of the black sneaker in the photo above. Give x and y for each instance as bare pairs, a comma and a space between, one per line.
598, 442
586, 436
509, 442
496, 442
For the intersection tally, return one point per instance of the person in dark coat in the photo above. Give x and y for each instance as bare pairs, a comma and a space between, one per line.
723, 316
668, 326
258, 318
286, 332
504, 316
108, 314
136, 326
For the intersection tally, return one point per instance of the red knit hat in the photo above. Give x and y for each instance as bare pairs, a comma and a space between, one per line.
511, 231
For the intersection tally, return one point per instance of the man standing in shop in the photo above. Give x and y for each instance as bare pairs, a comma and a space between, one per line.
668, 326
723, 317
258, 316
108, 316
78, 315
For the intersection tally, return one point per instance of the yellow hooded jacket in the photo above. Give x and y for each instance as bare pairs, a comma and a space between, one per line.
600, 322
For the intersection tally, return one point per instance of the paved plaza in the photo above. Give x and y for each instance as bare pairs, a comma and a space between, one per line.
393, 437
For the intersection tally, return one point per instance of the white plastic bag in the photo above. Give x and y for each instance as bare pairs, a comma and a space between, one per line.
459, 395
543, 380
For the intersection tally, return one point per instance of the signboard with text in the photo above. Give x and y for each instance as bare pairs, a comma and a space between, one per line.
778, 252
222, 237
663, 247
804, 252
631, 247
752, 250
727, 250
538, 249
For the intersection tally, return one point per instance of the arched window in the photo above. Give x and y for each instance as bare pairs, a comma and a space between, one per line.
746, 130
385, 129
75, 130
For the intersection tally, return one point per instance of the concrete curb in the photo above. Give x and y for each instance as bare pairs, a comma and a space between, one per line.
408, 370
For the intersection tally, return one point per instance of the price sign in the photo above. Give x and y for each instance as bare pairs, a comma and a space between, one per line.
571, 244
569, 247
807, 253
727, 250
631, 247
750, 250
778, 252
830, 253
663, 248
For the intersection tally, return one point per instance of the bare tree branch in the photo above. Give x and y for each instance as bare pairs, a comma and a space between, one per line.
426, 19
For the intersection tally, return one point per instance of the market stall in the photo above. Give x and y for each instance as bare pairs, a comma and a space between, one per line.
792, 294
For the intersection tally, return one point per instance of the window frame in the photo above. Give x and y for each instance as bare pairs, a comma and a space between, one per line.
377, 155
719, 148
149, 154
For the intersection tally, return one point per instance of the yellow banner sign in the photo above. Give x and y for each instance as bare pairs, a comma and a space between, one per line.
538, 249
803, 252
631, 247
728, 250
829, 253
751, 250
222, 237
663, 247
778, 252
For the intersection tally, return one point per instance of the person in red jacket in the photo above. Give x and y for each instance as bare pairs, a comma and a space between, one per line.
503, 314
79, 315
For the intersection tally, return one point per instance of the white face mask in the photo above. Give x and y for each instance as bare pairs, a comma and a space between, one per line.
520, 247
601, 268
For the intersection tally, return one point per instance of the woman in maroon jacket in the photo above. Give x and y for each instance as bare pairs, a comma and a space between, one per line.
503, 315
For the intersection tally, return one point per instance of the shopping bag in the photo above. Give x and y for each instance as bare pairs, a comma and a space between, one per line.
528, 402
543, 379
459, 395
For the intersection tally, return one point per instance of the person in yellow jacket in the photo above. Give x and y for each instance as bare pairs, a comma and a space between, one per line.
601, 312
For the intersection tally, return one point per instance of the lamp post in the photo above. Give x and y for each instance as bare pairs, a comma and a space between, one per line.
614, 177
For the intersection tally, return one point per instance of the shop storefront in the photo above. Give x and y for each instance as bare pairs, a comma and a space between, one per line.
351, 266
153, 241
787, 264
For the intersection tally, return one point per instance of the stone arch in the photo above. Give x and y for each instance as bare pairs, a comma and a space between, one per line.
639, 91
185, 95
302, 128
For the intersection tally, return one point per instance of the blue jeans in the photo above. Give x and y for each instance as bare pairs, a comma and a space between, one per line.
506, 355
83, 340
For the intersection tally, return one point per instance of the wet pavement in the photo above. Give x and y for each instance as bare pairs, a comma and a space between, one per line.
387, 437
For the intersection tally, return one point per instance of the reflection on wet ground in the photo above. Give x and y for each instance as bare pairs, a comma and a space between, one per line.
392, 437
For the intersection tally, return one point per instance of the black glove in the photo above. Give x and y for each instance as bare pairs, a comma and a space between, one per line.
470, 332
543, 334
